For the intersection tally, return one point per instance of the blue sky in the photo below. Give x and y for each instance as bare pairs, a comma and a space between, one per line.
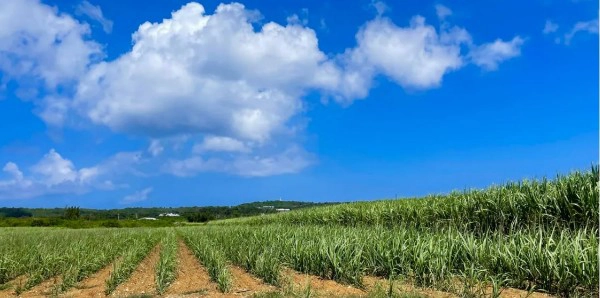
110, 104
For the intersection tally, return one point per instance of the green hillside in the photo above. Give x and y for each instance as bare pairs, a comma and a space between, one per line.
569, 201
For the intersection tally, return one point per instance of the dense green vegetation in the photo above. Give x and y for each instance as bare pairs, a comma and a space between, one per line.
567, 202
87, 224
532, 235
539, 235
219, 212
210, 256
166, 269
42, 253
556, 261
75, 217
136, 249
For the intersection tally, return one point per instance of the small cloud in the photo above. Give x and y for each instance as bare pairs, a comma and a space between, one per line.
589, 27
380, 7
295, 20
54, 169
489, 55
291, 160
223, 144
54, 110
13, 170
442, 11
138, 196
322, 24
55, 174
557, 40
550, 27
155, 148
94, 12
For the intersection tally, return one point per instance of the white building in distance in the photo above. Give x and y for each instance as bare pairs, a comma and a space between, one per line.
169, 214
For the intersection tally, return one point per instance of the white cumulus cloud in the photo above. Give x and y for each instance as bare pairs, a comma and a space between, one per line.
241, 95
54, 169
182, 76
415, 57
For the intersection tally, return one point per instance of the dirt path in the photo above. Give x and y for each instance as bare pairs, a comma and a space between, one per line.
44, 289
245, 284
406, 287
10, 287
371, 283
93, 286
192, 279
302, 283
142, 281
516, 293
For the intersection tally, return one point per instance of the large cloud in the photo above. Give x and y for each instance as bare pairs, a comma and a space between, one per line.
183, 76
210, 74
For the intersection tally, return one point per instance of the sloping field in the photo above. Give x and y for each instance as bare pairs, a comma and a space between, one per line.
536, 238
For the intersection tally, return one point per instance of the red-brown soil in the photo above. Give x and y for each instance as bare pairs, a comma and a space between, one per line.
93, 286
192, 279
142, 280
303, 283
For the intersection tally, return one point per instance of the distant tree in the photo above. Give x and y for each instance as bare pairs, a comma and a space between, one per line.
72, 212
201, 216
14, 212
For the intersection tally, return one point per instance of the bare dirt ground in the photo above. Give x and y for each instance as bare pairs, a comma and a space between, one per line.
44, 289
516, 293
11, 286
305, 283
406, 287
403, 287
192, 279
142, 281
245, 284
92, 286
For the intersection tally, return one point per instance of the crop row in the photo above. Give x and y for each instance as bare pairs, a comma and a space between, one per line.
556, 261
561, 262
167, 263
567, 202
43, 253
211, 256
